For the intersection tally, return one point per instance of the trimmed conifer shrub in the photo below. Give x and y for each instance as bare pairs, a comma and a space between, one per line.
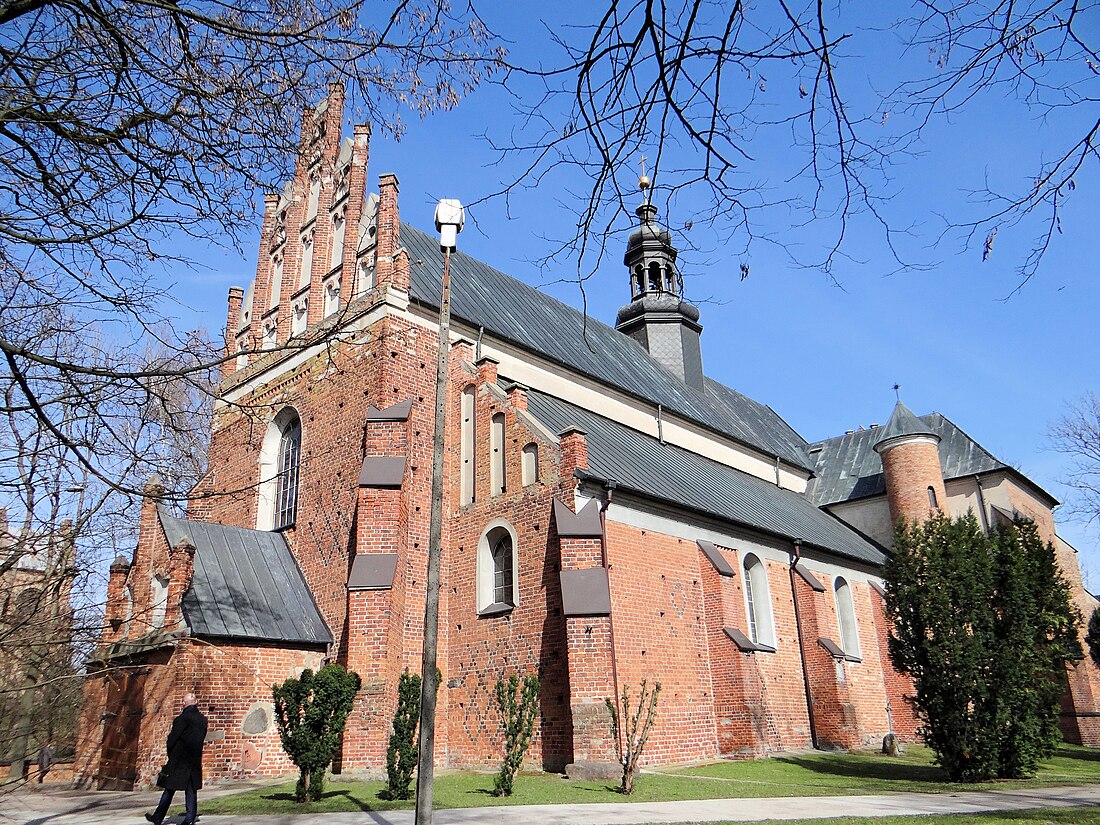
311, 712
403, 750
518, 701
984, 625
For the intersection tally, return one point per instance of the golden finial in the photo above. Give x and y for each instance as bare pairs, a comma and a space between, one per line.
643, 181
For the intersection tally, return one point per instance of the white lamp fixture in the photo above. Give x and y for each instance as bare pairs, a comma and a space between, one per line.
449, 219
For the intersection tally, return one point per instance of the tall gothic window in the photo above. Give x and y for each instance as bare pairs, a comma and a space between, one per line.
530, 464
339, 224
496, 569
306, 271
497, 470
286, 483
502, 568
758, 602
846, 616
466, 447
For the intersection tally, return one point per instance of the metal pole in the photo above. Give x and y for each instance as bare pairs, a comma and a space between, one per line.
428, 687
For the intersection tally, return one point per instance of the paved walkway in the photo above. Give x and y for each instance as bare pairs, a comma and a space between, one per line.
120, 808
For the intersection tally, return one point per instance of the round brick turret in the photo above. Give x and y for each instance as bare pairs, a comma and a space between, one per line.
909, 450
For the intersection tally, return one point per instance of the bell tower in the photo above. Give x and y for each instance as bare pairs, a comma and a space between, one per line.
658, 317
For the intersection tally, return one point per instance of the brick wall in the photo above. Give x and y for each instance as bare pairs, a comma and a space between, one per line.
229, 681
910, 469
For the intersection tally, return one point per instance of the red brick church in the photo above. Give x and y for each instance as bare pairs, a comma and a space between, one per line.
611, 515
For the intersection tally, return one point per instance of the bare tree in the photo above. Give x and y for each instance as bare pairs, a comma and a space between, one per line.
778, 106
1077, 434
128, 128
62, 524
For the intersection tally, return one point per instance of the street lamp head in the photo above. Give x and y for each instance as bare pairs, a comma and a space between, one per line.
449, 219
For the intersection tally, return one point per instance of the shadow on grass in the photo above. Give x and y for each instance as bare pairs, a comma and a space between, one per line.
869, 769
347, 795
1081, 755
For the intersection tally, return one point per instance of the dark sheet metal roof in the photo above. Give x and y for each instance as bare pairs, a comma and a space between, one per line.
521, 314
246, 585
902, 423
668, 473
848, 468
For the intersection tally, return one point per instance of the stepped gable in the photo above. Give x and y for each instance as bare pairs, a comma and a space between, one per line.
517, 312
847, 467
246, 585
644, 465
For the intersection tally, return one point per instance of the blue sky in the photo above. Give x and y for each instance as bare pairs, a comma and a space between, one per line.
823, 354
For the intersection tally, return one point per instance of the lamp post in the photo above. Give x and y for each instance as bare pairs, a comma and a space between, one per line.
449, 219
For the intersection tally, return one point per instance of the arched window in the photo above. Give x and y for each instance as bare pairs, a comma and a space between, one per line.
758, 602
933, 502
530, 464
158, 600
306, 270
466, 447
497, 470
280, 456
654, 277
339, 224
497, 563
127, 609
286, 484
332, 296
275, 293
846, 617
314, 197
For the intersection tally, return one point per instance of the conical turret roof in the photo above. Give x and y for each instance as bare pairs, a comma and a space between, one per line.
903, 422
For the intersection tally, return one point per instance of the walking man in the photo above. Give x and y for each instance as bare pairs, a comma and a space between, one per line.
184, 769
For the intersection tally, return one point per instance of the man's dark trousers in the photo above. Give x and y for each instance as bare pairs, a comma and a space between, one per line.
190, 803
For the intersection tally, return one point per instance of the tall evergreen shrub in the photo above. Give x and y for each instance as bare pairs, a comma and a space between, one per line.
311, 712
983, 625
518, 701
403, 750
1092, 639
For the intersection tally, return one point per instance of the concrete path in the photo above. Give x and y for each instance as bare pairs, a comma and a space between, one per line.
119, 808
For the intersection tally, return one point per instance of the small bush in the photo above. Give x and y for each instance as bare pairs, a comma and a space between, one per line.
311, 712
517, 716
634, 730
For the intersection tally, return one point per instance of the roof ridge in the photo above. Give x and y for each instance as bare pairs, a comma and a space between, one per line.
518, 312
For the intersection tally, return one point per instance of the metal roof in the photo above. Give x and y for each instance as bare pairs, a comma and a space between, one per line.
902, 423
848, 468
643, 464
512, 310
247, 585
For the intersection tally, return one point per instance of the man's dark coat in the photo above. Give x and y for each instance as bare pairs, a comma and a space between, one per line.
185, 750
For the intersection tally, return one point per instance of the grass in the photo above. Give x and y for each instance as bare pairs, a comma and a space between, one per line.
871, 773
1048, 816
817, 774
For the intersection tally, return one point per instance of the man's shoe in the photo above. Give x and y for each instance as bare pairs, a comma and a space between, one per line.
153, 819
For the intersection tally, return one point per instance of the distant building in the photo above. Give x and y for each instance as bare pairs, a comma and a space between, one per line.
612, 514
36, 638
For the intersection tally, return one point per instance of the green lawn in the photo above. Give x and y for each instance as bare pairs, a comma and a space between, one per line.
818, 774
1050, 816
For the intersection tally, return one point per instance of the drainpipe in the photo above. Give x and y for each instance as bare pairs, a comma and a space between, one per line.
981, 505
796, 556
609, 486
477, 346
